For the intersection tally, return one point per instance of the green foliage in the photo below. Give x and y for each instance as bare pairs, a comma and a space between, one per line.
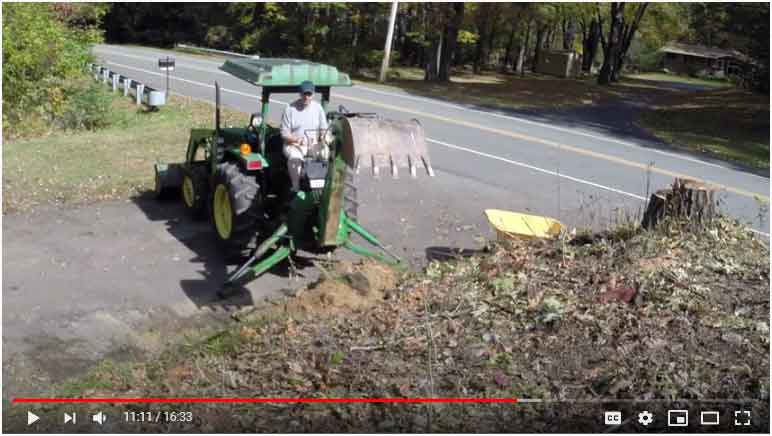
45, 48
350, 35
468, 38
337, 357
88, 107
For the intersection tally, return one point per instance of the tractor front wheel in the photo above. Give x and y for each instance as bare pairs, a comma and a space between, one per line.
236, 210
195, 187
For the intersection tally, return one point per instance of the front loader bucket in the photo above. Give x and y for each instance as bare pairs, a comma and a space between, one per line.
168, 179
372, 142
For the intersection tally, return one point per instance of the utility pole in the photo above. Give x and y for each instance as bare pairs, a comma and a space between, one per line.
387, 49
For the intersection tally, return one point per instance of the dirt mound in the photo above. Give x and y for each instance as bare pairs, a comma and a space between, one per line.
350, 286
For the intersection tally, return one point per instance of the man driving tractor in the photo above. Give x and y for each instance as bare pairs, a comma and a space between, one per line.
300, 117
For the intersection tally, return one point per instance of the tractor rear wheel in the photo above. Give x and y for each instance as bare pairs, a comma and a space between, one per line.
236, 210
195, 190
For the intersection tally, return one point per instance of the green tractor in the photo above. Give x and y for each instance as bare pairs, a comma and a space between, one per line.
238, 177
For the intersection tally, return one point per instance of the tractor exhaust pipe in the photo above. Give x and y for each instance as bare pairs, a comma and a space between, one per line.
217, 107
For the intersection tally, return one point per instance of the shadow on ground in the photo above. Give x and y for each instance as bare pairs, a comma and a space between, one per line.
197, 235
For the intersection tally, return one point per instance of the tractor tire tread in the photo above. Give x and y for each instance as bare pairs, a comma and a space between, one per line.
248, 217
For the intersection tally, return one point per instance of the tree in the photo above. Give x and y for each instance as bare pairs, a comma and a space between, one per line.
482, 20
587, 19
513, 15
522, 52
623, 23
545, 16
628, 32
45, 51
611, 44
451, 39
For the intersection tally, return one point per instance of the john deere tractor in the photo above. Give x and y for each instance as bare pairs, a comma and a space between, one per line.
238, 177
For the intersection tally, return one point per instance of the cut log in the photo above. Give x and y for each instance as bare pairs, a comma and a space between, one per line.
686, 199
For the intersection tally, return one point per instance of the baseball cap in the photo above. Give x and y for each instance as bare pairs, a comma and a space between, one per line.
307, 86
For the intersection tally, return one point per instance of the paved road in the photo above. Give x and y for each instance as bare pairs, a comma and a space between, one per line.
495, 148
118, 279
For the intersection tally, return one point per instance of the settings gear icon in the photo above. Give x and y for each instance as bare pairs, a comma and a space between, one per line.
645, 418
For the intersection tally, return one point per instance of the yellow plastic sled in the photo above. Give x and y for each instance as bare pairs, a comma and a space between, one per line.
512, 225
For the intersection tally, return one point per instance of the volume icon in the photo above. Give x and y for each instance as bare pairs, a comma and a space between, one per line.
99, 418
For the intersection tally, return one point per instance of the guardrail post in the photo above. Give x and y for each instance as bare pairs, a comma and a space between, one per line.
126, 86
140, 90
105, 73
115, 81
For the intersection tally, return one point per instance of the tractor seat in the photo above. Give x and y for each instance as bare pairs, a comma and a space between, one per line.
274, 144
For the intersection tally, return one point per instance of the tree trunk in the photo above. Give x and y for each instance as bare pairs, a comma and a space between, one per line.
451, 37
520, 58
612, 46
401, 30
541, 32
524, 49
482, 21
491, 39
508, 51
628, 33
590, 45
354, 43
685, 200
432, 67
550, 39
617, 68
569, 34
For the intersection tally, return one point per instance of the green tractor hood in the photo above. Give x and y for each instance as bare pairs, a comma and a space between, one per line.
280, 73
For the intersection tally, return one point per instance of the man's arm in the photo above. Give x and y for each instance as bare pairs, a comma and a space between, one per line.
286, 127
322, 119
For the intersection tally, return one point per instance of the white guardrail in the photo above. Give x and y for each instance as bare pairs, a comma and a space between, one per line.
211, 50
143, 94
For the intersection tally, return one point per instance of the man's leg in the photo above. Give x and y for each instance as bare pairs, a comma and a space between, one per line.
294, 165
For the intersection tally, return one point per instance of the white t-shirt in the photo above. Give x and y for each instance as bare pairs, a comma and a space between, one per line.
298, 118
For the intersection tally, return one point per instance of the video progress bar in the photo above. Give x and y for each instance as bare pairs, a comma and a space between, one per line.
269, 400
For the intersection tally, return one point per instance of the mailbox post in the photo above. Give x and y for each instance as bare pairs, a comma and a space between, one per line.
166, 64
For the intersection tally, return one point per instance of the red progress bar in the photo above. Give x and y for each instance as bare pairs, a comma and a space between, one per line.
265, 400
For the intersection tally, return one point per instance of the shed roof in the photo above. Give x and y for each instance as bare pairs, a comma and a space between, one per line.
703, 51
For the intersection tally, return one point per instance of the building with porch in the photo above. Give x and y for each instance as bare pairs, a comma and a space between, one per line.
698, 60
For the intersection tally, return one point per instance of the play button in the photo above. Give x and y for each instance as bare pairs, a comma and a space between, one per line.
31, 418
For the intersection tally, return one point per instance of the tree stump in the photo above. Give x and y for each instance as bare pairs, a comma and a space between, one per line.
686, 199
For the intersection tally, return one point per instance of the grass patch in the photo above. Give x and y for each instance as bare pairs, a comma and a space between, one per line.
497, 89
104, 377
112, 163
727, 124
713, 83
532, 91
